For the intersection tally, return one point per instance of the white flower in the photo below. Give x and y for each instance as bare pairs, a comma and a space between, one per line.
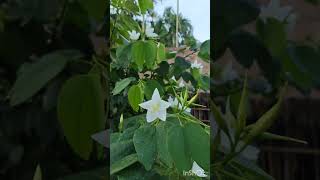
156, 107
175, 104
134, 35
197, 65
150, 31
173, 78
274, 10
113, 10
197, 170
181, 84
167, 26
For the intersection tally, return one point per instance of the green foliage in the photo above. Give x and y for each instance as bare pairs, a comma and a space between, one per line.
205, 51
142, 150
81, 112
32, 77
121, 85
123, 163
144, 140
144, 54
177, 148
135, 97
45, 44
145, 5
198, 143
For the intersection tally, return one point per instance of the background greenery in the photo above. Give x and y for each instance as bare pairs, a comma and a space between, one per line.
44, 43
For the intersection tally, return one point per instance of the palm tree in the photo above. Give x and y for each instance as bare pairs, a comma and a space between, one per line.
168, 36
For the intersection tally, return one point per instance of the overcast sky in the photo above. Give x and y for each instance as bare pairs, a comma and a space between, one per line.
197, 11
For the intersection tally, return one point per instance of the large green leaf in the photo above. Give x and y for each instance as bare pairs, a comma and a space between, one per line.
135, 96
198, 143
144, 54
95, 8
81, 112
162, 143
178, 148
123, 163
121, 85
119, 150
144, 140
36, 75
145, 5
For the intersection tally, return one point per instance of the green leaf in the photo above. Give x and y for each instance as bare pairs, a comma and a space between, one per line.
150, 86
124, 55
37, 75
37, 174
121, 85
218, 117
242, 110
265, 121
144, 140
163, 69
162, 143
120, 149
180, 65
178, 148
135, 96
273, 34
270, 136
123, 163
198, 143
204, 53
95, 8
144, 54
161, 52
81, 112
145, 5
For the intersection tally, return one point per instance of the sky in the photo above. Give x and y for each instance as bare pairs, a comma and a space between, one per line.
197, 11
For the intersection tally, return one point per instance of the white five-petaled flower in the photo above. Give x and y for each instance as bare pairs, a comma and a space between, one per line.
134, 35
150, 31
274, 10
175, 104
173, 78
156, 107
197, 65
197, 170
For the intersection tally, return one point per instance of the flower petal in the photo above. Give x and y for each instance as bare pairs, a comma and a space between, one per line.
146, 105
164, 104
156, 95
151, 116
162, 115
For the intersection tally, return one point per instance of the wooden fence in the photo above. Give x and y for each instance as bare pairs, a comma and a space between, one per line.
300, 118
